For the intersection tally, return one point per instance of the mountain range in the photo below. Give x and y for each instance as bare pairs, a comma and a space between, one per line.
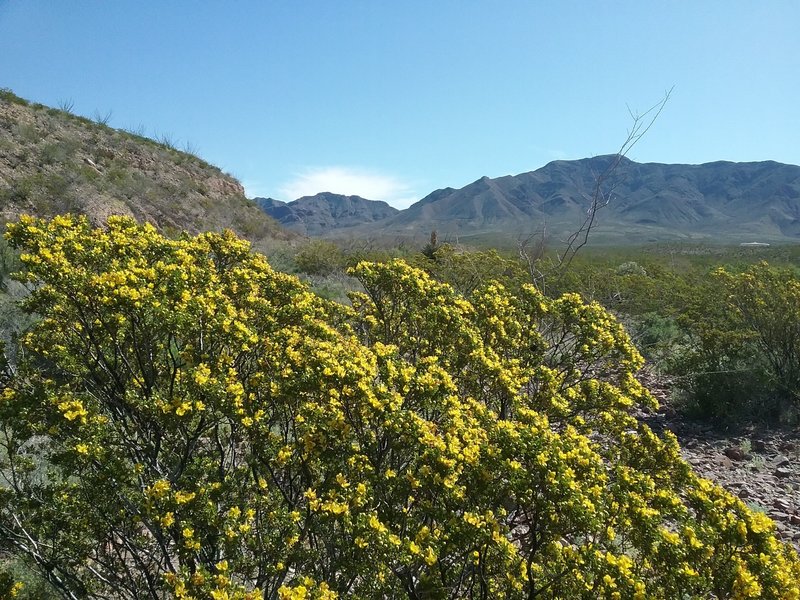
325, 212
52, 161
718, 201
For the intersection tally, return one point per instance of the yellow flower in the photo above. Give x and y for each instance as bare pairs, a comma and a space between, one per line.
202, 374
158, 489
184, 497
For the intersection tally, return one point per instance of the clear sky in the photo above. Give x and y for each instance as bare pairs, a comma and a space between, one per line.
391, 100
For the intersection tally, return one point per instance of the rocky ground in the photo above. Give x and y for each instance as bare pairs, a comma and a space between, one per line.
760, 466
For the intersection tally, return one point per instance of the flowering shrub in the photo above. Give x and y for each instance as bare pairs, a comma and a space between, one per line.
187, 422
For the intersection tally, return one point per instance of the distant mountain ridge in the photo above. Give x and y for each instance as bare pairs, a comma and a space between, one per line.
647, 202
325, 212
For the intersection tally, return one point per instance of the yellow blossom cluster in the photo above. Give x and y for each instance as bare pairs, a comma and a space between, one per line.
212, 429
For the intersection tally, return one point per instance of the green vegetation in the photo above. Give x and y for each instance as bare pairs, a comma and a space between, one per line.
319, 257
180, 419
186, 421
725, 337
742, 361
53, 162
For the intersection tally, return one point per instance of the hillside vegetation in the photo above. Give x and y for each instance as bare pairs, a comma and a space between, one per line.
53, 162
185, 421
178, 418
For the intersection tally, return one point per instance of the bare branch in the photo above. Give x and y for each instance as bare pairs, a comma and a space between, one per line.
600, 197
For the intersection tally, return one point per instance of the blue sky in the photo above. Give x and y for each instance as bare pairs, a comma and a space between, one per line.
391, 100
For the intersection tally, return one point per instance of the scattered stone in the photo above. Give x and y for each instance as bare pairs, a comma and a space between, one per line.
782, 504
766, 483
735, 453
668, 412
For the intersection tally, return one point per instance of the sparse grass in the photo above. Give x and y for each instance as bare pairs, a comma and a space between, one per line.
7, 95
55, 161
66, 105
29, 133
102, 119
166, 140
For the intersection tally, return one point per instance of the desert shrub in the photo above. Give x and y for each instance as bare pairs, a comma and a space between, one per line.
19, 580
742, 360
27, 133
59, 152
189, 422
467, 270
656, 335
630, 268
6, 95
9, 587
320, 257
716, 364
767, 301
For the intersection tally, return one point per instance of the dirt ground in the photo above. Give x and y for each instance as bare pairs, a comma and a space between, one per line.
761, 466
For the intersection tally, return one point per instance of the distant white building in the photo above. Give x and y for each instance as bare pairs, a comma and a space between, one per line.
755, 244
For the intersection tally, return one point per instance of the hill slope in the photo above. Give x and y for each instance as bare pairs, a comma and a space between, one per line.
325, 212
714, 201
52, 162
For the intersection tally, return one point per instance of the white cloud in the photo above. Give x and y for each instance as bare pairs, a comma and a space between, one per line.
351, 182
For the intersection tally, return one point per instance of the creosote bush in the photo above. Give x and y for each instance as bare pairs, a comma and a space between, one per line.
742, 361
186, 422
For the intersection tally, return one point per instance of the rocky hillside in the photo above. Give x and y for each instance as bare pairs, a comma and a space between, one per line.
54, 162
719, 201
325, 212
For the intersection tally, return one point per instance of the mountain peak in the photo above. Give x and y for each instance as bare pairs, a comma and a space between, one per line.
325, 211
